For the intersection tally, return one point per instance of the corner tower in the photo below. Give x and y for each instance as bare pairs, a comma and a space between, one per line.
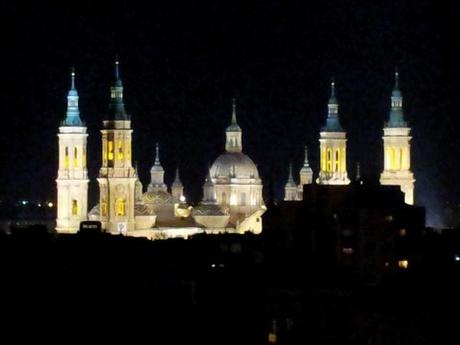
117, 177
72, 180
396, 146
333, 147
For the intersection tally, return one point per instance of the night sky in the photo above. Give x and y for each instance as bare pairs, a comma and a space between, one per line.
182, 63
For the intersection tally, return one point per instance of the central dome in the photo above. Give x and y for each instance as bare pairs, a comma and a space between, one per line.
234, 164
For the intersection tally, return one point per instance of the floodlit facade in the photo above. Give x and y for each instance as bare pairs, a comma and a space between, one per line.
232, 192
72, 180
333, 147
396, 147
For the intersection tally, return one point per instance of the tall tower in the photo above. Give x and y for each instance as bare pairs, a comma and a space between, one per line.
177, 189
72, 180
290, 188
306, 176
157, 174
396, 146
117, 177
333, 147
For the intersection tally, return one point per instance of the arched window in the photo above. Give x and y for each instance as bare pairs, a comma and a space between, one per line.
243, 199
401, 158
75, 208
75, 157
83, 157
103, 208
329, 160
120, 207
110, 156
337, 160
323, 159
393, 158
224, 198
120, 151
66, 158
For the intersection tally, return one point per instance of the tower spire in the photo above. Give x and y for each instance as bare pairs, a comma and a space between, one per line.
396, 119
117, 110
157, 155
290, 180
306, 164
332, 121
73, 113
233, 133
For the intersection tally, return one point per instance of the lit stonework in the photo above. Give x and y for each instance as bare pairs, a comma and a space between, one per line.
236, 182
72, 180
396, 146
117, 177
333, 147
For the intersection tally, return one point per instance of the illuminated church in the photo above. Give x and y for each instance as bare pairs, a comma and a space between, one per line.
232, 192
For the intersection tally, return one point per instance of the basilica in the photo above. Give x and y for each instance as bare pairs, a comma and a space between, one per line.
232, 192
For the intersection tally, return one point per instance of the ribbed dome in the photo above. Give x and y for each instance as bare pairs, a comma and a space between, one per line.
234, 164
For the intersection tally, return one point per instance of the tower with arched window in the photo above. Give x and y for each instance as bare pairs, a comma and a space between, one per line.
117, 178
333, 147
72, 180
396, 147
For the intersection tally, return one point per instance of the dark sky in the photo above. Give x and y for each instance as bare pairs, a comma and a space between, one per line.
182, 63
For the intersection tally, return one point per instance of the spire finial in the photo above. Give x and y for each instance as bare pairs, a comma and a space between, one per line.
157, 154
396, 79
332, 87
358, 171
72, 75
305, 163
117, 70
233, 110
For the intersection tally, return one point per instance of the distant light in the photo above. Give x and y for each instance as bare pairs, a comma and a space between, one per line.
24, 202
182, 198
457, 258
50, 204
39, 204
403, 264
347, 251
213, 265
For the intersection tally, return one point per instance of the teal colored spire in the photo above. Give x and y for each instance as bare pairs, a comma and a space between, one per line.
332, 121
117, 110
73, 113
234, 127
396, 119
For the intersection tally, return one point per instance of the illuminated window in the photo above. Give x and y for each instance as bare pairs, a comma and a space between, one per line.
83, 157
404, 264
75, 157
402, 232
323, 159
110, 156
66, 158
393, 159
389, 218
74, 208
329, 160
233, 199
120, 151
343, 164
104, 208
120, 207
401, 159
337, 160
